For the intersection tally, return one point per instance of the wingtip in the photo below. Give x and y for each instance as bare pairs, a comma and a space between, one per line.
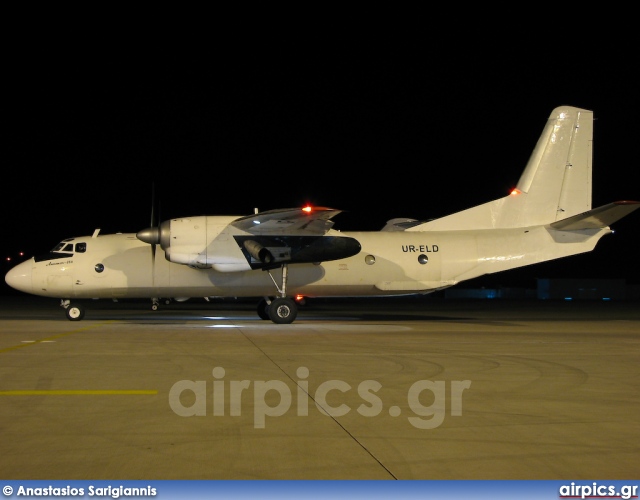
626, 202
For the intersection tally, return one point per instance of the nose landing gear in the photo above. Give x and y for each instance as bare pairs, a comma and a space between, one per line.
73, 310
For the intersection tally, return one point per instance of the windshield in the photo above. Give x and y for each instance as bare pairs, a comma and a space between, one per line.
67, 246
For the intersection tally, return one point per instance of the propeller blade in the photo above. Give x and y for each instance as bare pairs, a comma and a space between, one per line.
153, 205
155, 233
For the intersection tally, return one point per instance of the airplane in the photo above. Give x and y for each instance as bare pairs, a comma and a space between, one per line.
277, 255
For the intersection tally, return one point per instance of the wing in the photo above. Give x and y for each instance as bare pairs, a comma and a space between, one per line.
307, 221
293, 235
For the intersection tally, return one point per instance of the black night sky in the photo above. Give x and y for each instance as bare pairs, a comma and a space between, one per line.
380, 134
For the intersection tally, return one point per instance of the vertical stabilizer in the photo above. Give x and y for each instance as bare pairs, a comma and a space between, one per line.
555, 184
557, 179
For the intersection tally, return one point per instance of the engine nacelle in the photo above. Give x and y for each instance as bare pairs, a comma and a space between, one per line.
200, 242
258, 252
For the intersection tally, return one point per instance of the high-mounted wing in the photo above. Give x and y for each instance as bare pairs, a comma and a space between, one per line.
292, 235
307, 221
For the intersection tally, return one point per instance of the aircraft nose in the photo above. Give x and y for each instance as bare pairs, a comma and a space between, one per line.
19, 277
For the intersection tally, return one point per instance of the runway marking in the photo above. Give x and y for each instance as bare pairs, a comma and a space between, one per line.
79, 393
50, 339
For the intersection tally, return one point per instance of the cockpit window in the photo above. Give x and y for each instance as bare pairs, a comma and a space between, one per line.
66, 246
63, 250
63, 245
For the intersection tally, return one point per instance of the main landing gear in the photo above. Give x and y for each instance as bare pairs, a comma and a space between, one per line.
281, 310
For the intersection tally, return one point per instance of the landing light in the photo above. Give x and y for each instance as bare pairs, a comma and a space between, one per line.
515, 192
307, 209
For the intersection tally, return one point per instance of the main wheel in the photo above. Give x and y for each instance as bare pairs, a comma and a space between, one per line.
74, 312
283, 311
263, 309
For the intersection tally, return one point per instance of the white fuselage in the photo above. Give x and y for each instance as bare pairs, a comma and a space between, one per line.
390, 263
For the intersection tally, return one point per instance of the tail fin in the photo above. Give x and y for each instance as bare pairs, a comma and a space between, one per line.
555, 185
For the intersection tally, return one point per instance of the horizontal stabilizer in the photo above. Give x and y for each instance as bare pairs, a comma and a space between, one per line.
598, 217
401, 224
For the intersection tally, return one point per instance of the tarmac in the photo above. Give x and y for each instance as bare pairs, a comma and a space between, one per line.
413, 388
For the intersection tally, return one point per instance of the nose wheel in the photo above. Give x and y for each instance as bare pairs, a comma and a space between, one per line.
73, 310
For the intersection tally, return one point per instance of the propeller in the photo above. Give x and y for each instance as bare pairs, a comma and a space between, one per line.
154, 222
151, 234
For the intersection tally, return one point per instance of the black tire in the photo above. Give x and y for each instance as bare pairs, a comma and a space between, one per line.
263, 309
283, 311
75, 312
